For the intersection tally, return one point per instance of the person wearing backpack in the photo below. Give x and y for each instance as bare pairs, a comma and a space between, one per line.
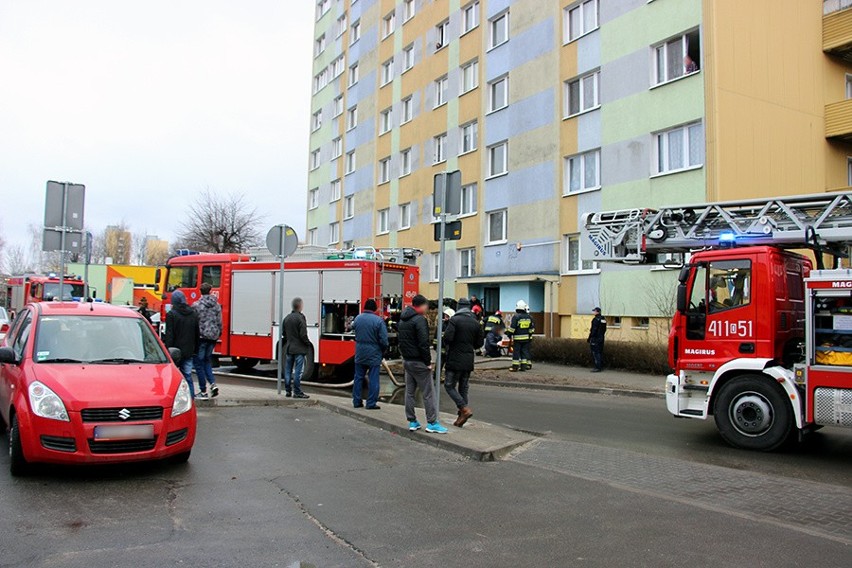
210, 329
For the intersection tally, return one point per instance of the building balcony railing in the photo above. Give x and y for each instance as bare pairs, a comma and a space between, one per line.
837, 31
838, 120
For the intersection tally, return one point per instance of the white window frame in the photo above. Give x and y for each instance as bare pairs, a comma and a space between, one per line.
468, 200
353, 74
337, 106
407, 58
441, 86
464, 136
505, 169
351, 162
664, 136
336, 190
319, 45
315, 159
313, 198
656, 77
338, 66
313, 236
321, 80
502, 20
384, 173
352, 118
493, 85
583, 105
386, 121
348, 207
470, 255
442, 38
582, 267
849, 170
383, 221
387, 71
580, 8
336, 148
470, 17
389, 24
849, 86
469, 76
439, 148
342, 24
435, 267
580, 160
323, 6
333, 233
354, 32
404, 216
409, 9
407, 105
504, 237
316, 121
405, 162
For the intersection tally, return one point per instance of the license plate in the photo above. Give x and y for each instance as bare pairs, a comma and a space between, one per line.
131, 432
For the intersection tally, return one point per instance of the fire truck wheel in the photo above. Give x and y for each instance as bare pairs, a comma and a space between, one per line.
245, 363
752, 412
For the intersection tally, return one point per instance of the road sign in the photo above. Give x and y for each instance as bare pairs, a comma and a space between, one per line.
448, 183
452, 231
52, 241
63, 205
282, 241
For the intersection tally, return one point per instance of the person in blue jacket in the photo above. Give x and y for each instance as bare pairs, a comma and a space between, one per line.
371, 342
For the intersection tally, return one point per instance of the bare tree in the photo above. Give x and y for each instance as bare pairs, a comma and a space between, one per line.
16, 261
220, 223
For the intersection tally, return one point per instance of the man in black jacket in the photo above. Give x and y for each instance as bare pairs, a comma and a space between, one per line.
462, 337
414, 344
296, 347
182, 332
596, 339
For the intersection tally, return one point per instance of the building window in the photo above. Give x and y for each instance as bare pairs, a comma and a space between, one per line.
385, 121
849, 170
349, 207
315, 159
498, 93
497, 227
405, 162
353, 74
336, 148
583, 172
312, 237
679, 148
316, 121
408, 10
352, 118
439, 147
384, 170
382, 224
351, 163
387, 71
848, 86
641, 323
355, 32
441, 91
337, 67
677, 57
442, 31
313, 198
614, 322
348, 245
407, 58
499, 29
435, 265
407, 110
319, 45
337, 106
470, 17
469, 135
580, 19
468, 199
341, 25
469, 76
405, 216
333, 233
581, 94
498, 159
388, 24
321, 80
573, 257
323, 6
336, 187
467, 262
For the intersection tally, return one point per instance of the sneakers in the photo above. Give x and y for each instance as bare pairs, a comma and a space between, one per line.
414, 426
376, 407
300, 395
436, 428
287, 394
464, 415
202, 396
214, 390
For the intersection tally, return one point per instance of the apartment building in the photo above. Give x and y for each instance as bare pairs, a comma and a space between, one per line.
550, 109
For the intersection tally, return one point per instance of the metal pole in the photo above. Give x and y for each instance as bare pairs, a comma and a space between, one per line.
62, 241
86, 260
441, 255
281, 314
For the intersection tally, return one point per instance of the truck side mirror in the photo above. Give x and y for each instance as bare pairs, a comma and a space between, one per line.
682, 303
157, 275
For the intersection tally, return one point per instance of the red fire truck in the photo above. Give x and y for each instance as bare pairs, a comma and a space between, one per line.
333, 285
760, 340
21, 290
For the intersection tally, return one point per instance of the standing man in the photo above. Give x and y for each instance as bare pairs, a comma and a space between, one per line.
210, 329
596, 339
462, 338
416, 352
296, 347
144, 311
371, 342
521, 330
182, 332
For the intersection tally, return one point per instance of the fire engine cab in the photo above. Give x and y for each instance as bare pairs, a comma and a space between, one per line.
760, 340
332, 284
21, 290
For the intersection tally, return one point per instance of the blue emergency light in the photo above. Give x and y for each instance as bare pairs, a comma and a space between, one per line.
727, 237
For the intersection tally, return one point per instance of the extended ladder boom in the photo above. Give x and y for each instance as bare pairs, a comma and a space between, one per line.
629, 235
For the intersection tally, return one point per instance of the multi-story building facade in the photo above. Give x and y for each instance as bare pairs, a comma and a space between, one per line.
553, 108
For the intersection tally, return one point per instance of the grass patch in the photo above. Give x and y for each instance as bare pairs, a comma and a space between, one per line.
638, 357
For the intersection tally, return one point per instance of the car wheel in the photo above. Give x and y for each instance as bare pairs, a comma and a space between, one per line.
180, 458
18, 464
752, 412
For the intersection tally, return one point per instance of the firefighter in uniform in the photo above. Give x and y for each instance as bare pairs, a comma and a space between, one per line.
596, 339
493, 320
521, 330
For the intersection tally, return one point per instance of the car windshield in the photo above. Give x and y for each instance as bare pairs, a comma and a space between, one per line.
69, 291
96, 340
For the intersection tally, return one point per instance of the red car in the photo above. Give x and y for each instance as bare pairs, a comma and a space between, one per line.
84, 383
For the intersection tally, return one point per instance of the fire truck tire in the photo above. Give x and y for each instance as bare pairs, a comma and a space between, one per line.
245, 363
310, 366
752, 412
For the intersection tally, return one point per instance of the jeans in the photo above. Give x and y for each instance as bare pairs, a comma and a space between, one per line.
521, 354
293, 367
597, 354
418, 375
462, 379
185, 367
203, 364
372, 373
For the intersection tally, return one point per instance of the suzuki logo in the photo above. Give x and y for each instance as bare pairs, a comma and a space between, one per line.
124, 414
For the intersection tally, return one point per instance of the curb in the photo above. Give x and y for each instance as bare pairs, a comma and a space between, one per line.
232, 402
572, 388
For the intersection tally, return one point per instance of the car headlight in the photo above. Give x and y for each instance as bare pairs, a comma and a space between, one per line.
183, 399
46, 403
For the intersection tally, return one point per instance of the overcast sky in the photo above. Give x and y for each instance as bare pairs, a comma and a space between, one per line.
147, 103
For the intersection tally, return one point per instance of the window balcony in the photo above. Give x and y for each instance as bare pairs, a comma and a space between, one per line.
838, 120
837, 31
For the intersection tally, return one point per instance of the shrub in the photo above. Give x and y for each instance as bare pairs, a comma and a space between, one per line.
649, 358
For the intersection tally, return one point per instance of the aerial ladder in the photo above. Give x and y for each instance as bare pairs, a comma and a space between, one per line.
760, 340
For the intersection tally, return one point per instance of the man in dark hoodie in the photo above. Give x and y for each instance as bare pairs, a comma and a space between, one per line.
182, 332
416, 352
210, 327
462, 337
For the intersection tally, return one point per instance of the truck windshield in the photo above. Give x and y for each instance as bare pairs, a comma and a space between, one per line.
69, 291
182, 277
96, 340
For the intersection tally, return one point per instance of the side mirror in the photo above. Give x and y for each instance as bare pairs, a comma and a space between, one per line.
7, 356
682, 303
157, 274
94, 293
175, 354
